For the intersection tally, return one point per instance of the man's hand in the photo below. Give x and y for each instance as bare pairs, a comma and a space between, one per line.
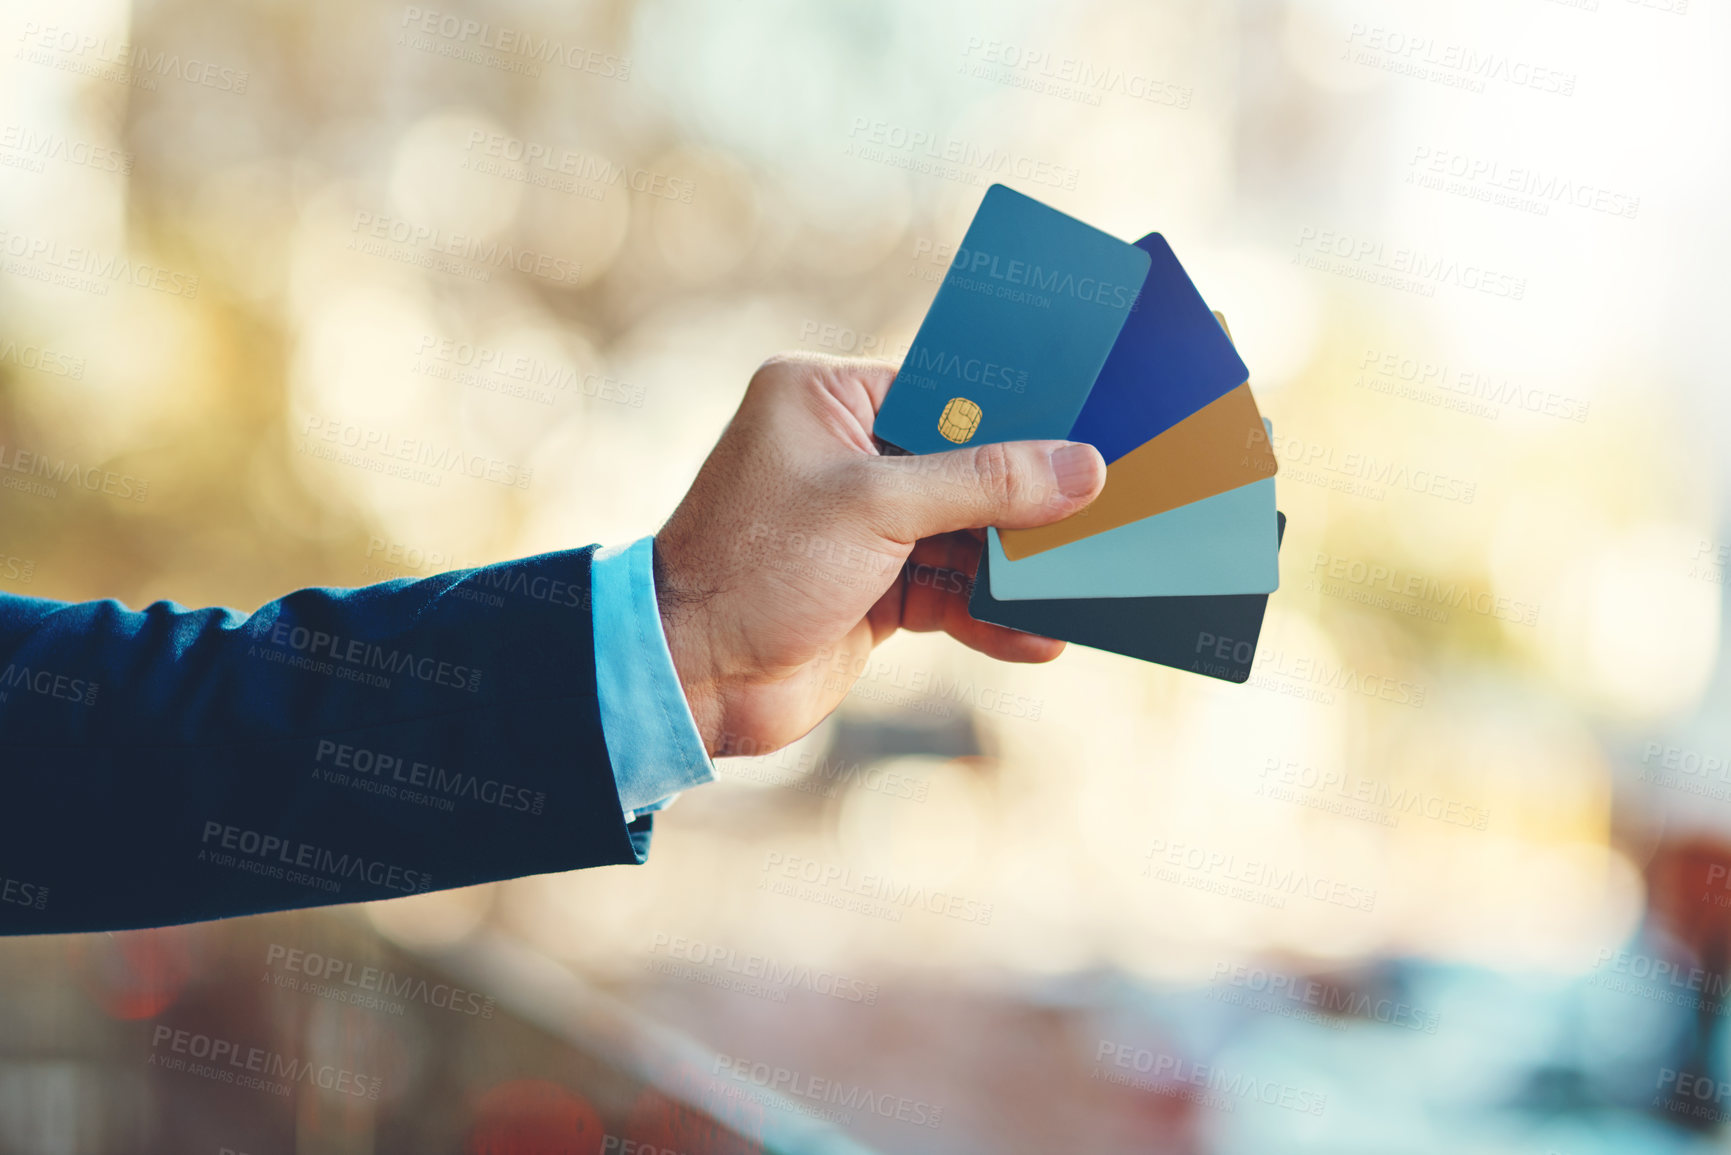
800, 547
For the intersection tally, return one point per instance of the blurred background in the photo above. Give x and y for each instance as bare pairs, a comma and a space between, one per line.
1452, 872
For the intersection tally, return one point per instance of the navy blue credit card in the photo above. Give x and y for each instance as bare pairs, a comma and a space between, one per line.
1171, 358
1214, 635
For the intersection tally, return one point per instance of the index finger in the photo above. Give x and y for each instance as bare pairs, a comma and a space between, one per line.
876, 377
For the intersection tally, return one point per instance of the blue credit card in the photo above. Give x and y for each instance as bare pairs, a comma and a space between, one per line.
1225, 544
1170, 360
1021, 326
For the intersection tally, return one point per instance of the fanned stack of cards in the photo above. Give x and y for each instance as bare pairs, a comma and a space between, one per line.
1045, 327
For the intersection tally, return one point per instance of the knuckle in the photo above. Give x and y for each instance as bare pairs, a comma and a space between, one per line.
777, 362
777, 370
995, 473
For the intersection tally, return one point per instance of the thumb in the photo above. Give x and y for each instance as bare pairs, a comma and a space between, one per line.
1009, 484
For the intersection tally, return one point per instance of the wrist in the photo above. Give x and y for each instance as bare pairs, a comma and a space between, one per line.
688, 645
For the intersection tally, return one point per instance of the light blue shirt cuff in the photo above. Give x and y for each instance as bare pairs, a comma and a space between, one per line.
651, 737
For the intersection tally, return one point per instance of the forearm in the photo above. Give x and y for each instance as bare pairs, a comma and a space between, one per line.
334, 746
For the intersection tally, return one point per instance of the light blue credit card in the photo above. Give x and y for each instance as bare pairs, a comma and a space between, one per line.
1225, 544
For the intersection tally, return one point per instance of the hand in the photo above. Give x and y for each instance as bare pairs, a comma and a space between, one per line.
800, 547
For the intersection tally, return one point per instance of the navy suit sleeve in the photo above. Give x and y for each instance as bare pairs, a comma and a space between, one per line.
169, 765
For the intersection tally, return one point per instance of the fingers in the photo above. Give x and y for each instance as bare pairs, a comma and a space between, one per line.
949, 612
1000, 642
1009, 484
935, 593
943, 564
859, 384
875, 378
938, 567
